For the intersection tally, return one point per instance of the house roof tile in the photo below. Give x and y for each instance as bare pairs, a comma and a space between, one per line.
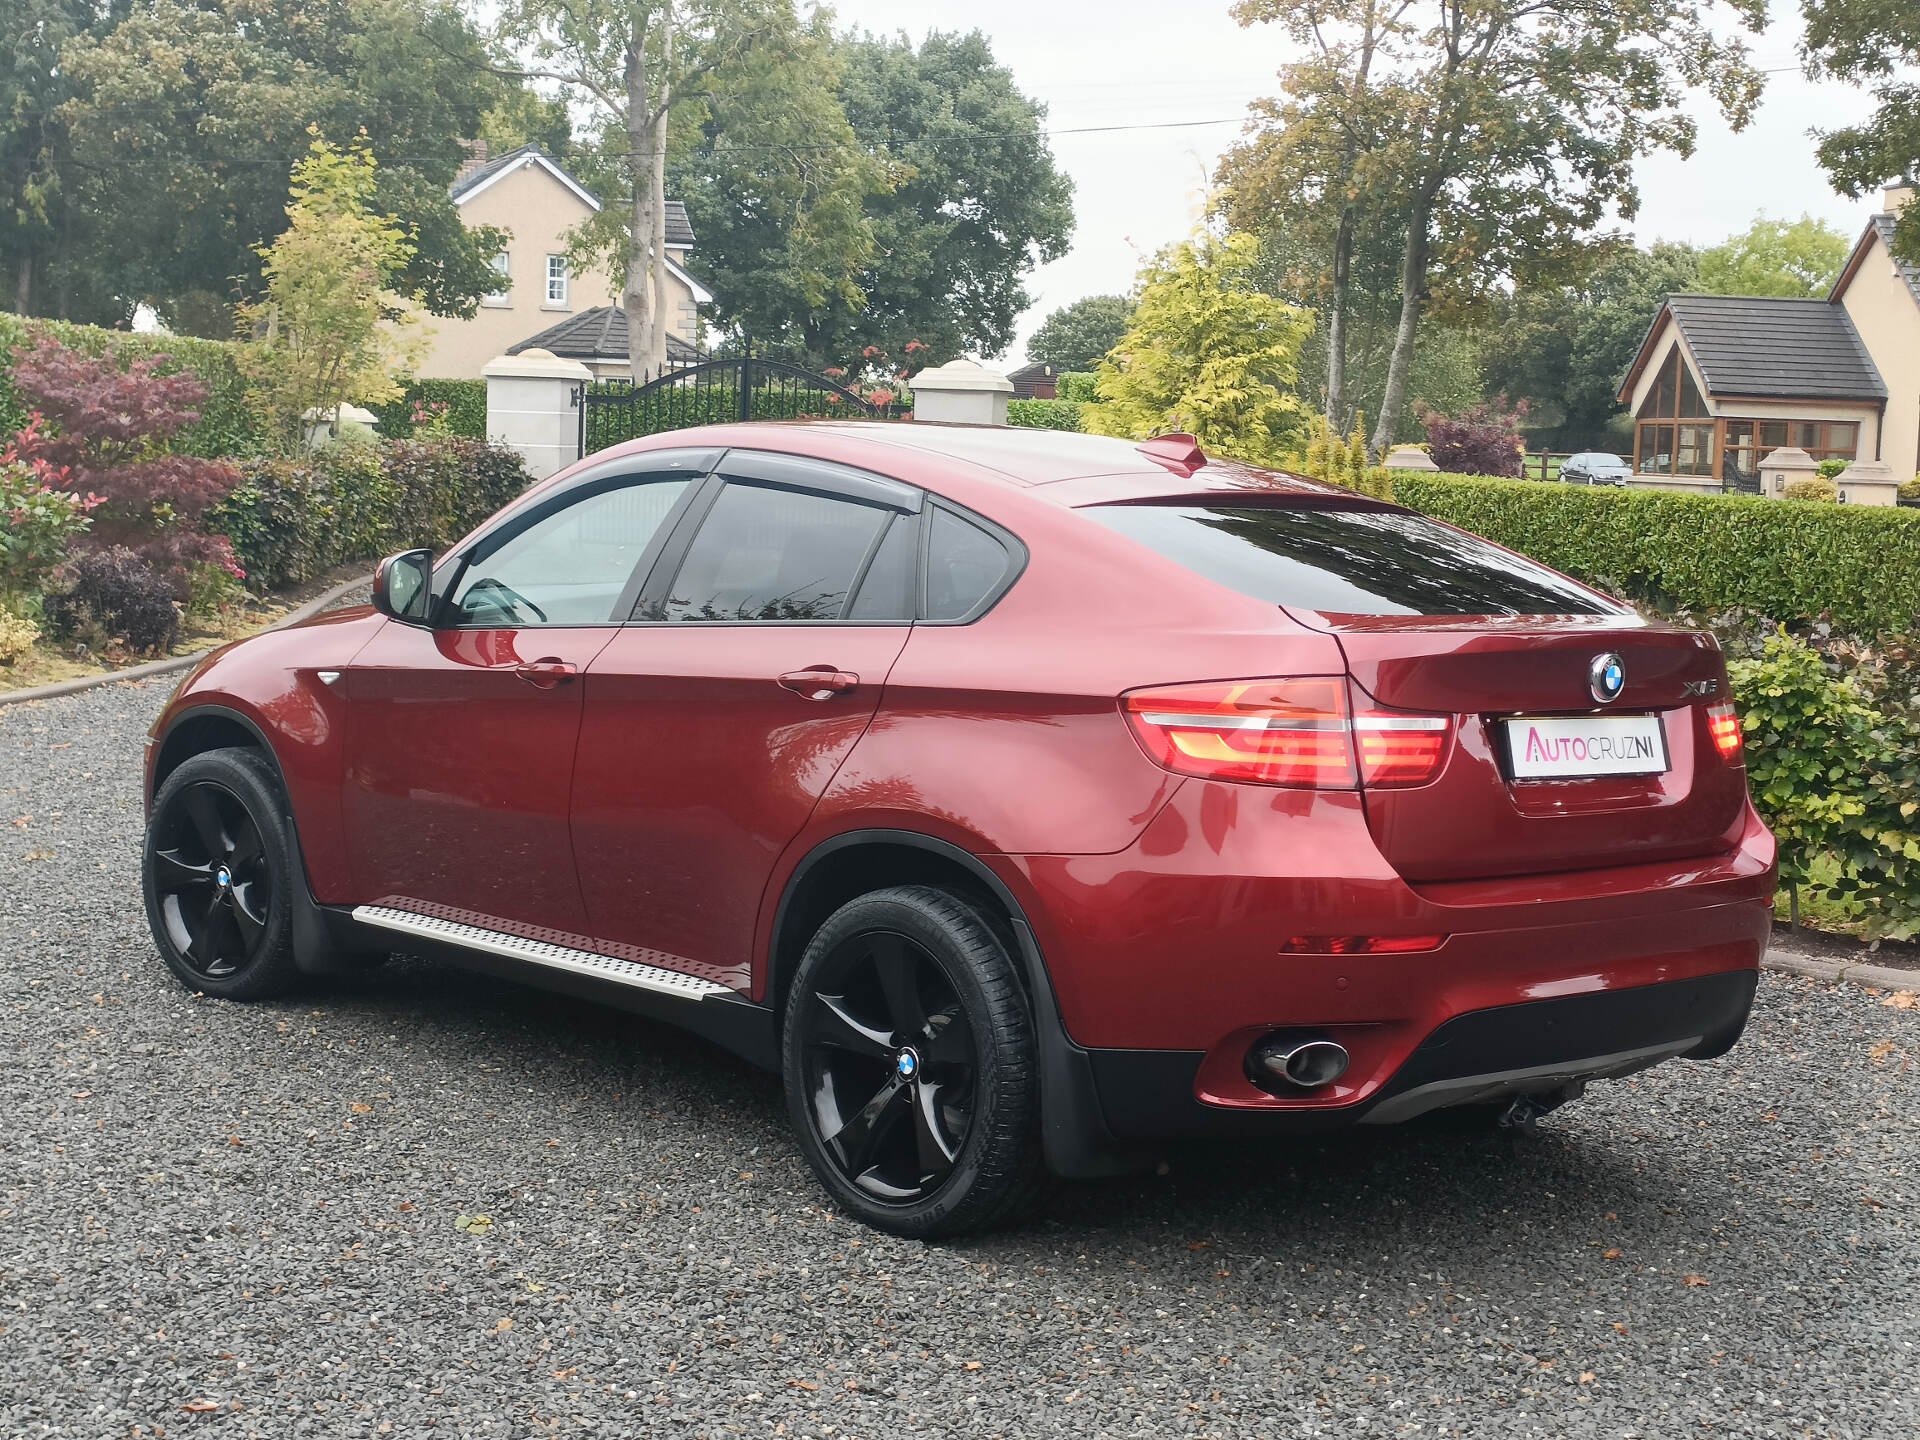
599, 334
1780, 348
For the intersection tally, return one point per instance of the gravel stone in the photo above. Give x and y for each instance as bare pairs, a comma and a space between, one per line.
264, 1220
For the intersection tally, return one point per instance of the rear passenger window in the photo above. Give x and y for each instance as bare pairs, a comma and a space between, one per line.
964, 566
886, 590
771, 554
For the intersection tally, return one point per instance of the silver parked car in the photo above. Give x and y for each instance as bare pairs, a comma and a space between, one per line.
1595, 467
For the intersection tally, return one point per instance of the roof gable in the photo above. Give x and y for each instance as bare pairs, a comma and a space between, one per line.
679, 229
1879, 227
598, 334
1761, 347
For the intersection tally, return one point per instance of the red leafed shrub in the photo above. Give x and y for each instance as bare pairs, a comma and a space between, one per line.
1483, 441
110, 427
113, 597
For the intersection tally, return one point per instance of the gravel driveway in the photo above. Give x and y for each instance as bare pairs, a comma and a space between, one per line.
259, 1220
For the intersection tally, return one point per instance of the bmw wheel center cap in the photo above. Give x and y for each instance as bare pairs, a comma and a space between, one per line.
1607, 677
223, 877
906, 1064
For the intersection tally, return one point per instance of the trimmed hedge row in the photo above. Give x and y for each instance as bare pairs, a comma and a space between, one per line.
679, 408
228, 426
1791, 559
466, 402
293, 520
1044, 414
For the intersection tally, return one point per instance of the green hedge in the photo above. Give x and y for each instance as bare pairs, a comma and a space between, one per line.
228, 425
294, 520
1076, 385
1790, 559
678, 408
466, 402
1044, 414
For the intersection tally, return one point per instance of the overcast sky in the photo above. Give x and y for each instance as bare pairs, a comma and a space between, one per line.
1100, 63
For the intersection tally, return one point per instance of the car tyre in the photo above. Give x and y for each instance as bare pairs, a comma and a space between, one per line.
217, 871
911, 1067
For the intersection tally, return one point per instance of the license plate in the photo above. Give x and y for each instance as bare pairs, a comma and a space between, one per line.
1562, 747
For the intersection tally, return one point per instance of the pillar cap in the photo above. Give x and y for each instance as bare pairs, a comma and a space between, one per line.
961, 375
535, 364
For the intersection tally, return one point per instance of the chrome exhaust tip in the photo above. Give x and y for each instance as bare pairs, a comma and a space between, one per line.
1307, 1060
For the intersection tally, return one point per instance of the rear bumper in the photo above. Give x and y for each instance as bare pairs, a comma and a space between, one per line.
1535, 1047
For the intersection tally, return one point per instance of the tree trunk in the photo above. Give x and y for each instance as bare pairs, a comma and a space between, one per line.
636, 294
1337, 324
1413, 284
23, 287
657, 168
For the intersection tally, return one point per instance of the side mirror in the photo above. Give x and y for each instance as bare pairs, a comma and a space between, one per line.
403, 586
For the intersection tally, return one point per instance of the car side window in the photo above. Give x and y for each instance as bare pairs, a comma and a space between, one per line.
886, 591
571, 567
764, 552
965, 565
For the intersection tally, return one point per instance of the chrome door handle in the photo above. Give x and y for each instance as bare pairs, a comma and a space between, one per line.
821, 682
545, 673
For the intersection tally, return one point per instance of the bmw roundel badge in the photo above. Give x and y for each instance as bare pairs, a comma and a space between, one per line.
1607, 677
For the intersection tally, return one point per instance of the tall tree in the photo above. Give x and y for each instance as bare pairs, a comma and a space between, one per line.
1563, 347
1776, 257
1206, 353
1505, 130
979, 205
1078, 336
1876, 43
188, 117
640, 64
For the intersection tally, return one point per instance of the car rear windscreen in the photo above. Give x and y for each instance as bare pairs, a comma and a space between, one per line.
1348, 561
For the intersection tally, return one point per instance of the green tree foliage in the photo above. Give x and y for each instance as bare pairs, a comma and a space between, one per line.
1564, 346
776, 185
1874, 43
188, 117
1500, 134
1776, 257
1078, 336
979, 205
330, 327
1207, 353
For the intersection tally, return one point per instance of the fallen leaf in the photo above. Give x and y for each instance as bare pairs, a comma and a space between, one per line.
81, 1094
1695, 1281
1903, 1000
566, 1374
473, 1224
200, 1407
359, 1109
973, 1365
22, 821
802, 1385
1586, 1377
37, 853
1201, 1245
1612, 1254
504, 1325
1878, 1054
1620, 1327
406, 1205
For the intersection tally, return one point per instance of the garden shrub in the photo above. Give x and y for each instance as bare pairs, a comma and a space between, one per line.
1812, 487
227, 424
38, 520
1044, 414
17, 634
110, 425
466, 412
1830, 468
1078, 386
1858, 563
1483, 441
113, 597
297, 519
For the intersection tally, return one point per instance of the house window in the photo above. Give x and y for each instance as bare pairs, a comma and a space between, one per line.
502, 267
1751, 441
556, 279
1664, 443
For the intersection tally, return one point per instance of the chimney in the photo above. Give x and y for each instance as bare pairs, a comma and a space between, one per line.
1896, 197
476, 157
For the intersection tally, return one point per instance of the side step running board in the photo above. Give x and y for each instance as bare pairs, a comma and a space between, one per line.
539, 952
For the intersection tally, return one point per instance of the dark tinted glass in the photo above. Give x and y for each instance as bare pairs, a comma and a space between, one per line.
964, 563
886, 592
1351, 562
767, 554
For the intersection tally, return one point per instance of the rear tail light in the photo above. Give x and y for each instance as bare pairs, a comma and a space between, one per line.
1361, 944
1296, 732
1723, 721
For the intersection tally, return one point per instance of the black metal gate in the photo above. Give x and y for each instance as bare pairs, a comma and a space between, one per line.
747, 388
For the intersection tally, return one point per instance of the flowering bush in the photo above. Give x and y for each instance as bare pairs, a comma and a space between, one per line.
38, 518
108, 438
432, 420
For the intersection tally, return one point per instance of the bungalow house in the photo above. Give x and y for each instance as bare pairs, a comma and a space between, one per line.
527, 193
1722, 382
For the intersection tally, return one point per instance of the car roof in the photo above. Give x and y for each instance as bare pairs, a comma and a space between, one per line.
1063, 466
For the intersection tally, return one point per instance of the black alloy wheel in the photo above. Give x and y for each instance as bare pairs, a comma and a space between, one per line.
218, 876
910, 1066
889, 1060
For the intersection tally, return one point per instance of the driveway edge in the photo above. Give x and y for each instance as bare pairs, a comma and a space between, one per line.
1879, 977
175, 662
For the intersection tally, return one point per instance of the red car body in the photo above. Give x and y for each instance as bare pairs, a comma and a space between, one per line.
655, 792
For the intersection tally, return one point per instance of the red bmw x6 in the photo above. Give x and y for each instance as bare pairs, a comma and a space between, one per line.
1025, 798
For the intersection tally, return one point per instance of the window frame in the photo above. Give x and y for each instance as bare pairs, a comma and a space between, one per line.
692, 465
501, 299
1017, 557
770, 470
565, 277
